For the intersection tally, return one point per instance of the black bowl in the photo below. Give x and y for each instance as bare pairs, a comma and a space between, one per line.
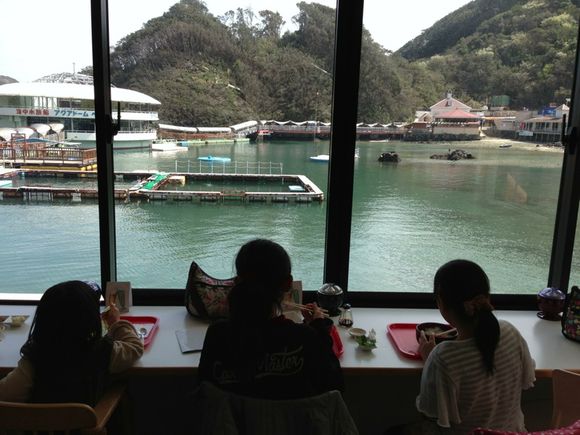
330, 302
435, 328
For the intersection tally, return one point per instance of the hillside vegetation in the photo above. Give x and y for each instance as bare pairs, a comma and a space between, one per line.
521, 48
209, 70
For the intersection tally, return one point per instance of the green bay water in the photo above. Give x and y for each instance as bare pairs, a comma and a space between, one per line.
408, 219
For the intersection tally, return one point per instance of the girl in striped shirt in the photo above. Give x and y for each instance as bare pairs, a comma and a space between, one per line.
476, 380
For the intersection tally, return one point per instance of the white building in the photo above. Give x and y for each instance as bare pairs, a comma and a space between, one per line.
62, 105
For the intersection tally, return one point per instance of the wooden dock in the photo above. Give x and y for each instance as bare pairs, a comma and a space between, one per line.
37, 155
156, 186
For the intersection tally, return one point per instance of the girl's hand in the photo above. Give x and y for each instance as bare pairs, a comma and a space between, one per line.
112, 316
426, 345
313, 312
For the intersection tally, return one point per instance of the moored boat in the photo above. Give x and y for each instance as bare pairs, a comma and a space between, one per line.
320, 158
215, 159
167, 145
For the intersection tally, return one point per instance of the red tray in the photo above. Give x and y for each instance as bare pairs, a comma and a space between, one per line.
404, 338
337, 346
149, 322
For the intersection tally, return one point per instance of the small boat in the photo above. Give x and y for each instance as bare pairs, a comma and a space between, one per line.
214, 159
320, 158
167, 145
505, 145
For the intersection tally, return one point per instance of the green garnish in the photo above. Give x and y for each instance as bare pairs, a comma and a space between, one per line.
365, 341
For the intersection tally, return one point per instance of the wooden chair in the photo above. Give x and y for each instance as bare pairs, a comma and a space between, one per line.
566, 406
61, 417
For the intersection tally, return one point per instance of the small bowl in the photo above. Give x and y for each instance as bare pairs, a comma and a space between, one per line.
435, 328
17, 321
357, 332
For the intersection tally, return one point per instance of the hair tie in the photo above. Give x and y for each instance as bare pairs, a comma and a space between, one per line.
478, 303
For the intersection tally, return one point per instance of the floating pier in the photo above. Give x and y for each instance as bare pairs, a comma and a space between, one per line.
28, 155
159, 186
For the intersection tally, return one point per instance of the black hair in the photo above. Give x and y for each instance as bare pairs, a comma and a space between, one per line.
461, 281
263, 268
65, 344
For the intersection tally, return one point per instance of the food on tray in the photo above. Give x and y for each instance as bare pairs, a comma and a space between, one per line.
441, 331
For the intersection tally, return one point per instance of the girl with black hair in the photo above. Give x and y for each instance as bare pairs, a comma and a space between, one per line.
66, 358
476, 380
258, 352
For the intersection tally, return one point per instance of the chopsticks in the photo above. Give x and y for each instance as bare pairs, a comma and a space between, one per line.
112, 302
444, 333
304, 307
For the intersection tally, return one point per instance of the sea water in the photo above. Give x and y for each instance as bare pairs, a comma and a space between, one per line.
408, 218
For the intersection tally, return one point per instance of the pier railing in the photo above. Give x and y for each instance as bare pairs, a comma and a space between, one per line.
23, 154
204, 167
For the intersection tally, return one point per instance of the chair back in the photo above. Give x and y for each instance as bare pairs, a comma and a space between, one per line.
61, 417
566, 405
223, 413
49, 417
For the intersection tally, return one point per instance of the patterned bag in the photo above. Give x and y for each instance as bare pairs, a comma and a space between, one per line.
206, 297
571, 315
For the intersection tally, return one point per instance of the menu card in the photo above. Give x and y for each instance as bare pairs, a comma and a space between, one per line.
189, 341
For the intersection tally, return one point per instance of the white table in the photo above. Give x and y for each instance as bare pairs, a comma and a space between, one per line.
547, 345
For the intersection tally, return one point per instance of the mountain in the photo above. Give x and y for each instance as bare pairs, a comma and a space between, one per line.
210, 70
520, 48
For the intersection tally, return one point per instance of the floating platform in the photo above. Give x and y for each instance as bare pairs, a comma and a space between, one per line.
38, 156
161, 186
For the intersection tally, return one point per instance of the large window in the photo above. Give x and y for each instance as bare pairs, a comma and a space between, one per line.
44, 239
213, 69
430, 99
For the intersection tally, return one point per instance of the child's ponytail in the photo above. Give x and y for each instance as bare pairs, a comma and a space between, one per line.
485, 329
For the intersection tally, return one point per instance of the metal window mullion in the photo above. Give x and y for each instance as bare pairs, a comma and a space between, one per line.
347, 48
569, 195
104, 137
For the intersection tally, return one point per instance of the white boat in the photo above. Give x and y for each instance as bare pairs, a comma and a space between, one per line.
320, 158
215, 159
505, 145
166, 145
65, 103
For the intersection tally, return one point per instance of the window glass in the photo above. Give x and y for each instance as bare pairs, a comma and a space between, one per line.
219, 72
455, 94
47, 236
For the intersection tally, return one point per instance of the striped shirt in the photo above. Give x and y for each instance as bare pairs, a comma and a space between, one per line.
457, 391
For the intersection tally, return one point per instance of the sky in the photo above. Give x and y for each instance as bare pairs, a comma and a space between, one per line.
41, 37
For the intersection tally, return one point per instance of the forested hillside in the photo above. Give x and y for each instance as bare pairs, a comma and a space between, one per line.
218, 71
521, 48
209, 70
